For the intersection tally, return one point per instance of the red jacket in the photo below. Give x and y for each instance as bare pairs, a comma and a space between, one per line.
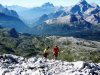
56, 50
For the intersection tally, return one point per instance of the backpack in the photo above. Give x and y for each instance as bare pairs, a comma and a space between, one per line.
45, 51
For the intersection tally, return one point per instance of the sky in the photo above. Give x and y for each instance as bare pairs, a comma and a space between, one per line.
34, 3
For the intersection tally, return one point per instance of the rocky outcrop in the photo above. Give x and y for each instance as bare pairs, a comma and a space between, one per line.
11, 64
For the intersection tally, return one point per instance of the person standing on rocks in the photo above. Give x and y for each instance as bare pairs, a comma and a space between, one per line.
55, 52
46, 52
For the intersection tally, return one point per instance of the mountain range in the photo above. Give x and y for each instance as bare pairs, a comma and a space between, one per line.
30, 15
82, 17
8, 12
48, 19
10, 19
82, 9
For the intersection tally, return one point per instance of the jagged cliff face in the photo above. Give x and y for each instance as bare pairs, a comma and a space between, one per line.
82, 6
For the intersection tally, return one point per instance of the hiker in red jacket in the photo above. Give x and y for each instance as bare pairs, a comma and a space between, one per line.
55, 52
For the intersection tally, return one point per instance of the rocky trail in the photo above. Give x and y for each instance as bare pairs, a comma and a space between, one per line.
15, 65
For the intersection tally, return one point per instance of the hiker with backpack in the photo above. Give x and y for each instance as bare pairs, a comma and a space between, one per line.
46, 52
55, 52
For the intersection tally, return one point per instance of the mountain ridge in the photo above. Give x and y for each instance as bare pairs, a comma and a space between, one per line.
6, 11
76, 17
12, 22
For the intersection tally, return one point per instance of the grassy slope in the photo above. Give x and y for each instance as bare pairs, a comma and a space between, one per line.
71, 49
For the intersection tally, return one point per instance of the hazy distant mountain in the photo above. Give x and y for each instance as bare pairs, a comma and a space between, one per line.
30, 15
17, 8
47, 5
12, 22
8, 12
44, 9
10, 19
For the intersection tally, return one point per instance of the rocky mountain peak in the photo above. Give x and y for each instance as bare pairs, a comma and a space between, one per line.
82, 1
48, 5
82, 6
